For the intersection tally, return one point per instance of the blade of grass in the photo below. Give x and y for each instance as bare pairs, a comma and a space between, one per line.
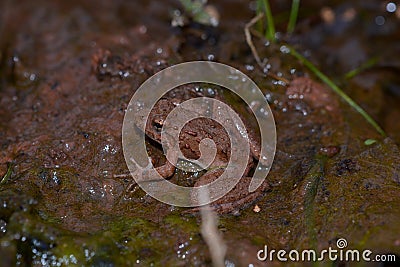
260, 26
371, 62
336, 89
293, 16
198, 11
7, 175
270, 33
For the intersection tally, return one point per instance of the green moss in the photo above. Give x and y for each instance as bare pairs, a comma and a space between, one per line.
259, 241
186, 224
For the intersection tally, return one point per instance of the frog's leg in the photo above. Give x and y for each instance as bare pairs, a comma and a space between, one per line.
238, 198
167, 170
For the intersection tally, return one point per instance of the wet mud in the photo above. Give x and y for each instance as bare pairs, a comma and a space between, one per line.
68, 70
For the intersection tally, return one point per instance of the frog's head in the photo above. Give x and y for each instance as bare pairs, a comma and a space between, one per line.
156, 119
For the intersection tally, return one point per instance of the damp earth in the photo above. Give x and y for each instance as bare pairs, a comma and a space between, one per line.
69, 68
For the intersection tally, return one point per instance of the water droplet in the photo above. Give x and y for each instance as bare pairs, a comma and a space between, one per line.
254, 104
249, 67
55, 178
210, 92
284, 49
263, 112
106, 148
214, 21
391, 7
3, 226
139, 106
262, 168
380, 20
242, 131
279, 82
267, 68
142, 29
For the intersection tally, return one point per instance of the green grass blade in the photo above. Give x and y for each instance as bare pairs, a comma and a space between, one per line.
336, 89
293, 16
7, 175
270, 33
259, 10
371, 62
369, 142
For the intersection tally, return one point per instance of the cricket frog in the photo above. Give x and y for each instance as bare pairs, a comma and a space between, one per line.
189, 139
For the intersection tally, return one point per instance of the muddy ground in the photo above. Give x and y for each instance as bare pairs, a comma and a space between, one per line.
68, 70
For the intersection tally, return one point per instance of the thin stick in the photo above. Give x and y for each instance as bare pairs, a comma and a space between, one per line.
249, 41
211, 234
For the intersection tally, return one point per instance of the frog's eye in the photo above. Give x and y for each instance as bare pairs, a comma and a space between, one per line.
158, 124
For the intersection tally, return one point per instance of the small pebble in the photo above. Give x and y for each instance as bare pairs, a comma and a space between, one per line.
256, 209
